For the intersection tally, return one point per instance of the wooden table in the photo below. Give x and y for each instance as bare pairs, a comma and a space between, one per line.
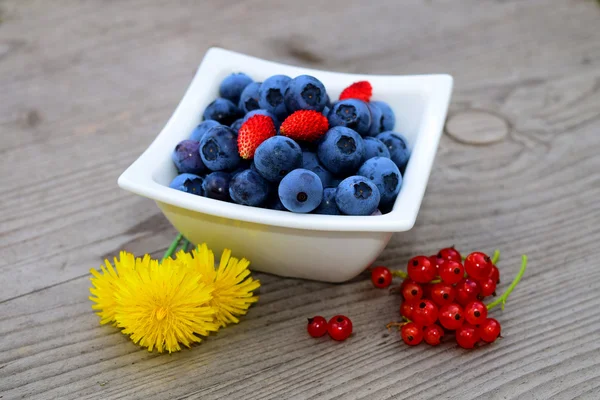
85, 87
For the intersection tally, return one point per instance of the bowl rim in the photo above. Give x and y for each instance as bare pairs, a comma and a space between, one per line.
138, 177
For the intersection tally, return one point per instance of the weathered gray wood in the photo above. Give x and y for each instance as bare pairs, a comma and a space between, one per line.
86, 85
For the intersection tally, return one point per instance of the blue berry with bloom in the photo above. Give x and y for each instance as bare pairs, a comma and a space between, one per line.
216, 186
398, 148
341, 150
188, 183
223, 111
248, 188
233, 85
388, 118
249, 98
357, 195
270, 95
301, 191
351, 113
376, 116
375, 148
276, 157
201, 129
186, 157
219, 150
311, 162
305, 92
384, 173
328, 205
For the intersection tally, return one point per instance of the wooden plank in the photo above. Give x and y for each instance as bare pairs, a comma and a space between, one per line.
87, 85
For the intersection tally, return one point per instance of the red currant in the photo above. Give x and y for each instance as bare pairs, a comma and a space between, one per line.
433, 334
406, 309
420, 269
317, 326
495, 274
489, 330
467, 336
381, 277
475, 312
425, 313
412, 334
450, 254
442, 293
452, 272
412, 291
427, 290
478, 265
451, 316
488, 287
467, 290
339, 327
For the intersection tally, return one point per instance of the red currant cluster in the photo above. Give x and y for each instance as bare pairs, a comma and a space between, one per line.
339, 327
442, 293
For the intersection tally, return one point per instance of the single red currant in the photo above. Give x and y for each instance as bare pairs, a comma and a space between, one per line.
467, 290
433, 334
489, 330
488, 287
467, 336
450, 254
339, 327
317, 326
420, 269
425, 313
495, 274
452, 272
478, 265
451, 316
412, 334
442, 293
475, 312
381, 277
406, 309
412, 291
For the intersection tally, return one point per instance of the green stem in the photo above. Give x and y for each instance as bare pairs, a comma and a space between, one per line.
502, 299
400, 273
496, 256
172, 247
186, 245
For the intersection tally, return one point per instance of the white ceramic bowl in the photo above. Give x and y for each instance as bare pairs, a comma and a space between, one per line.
319, 247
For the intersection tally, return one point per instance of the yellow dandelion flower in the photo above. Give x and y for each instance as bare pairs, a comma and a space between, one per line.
103, 286
233, 287
163, 305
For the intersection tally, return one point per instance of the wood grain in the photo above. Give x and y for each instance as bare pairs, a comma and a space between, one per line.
86, 85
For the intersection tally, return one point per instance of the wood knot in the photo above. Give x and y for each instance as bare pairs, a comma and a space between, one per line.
478, 127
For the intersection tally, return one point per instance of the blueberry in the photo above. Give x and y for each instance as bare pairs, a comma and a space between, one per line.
222, 111
270, 95
276, 157
342, 150
186, 157
311, 162
216, 186
305, 92
327, 101
218, 149
249, 98
188, 183
233, 85
351, 113
237, 124
398, 148
385, 175
201, 129
388, 119
376, 115
357, 195
248, 188
375, 148
328, 205
301, 191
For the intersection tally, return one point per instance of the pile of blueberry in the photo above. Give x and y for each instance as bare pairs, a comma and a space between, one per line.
281, 144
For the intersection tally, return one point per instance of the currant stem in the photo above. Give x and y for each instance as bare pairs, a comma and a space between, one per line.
172, 247
496, 256
400, 273
502, 299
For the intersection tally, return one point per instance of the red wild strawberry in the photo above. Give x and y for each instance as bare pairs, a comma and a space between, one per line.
358, 90
307, 125
253, 132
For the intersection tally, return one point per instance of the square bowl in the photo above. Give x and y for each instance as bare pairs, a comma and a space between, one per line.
318, 247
